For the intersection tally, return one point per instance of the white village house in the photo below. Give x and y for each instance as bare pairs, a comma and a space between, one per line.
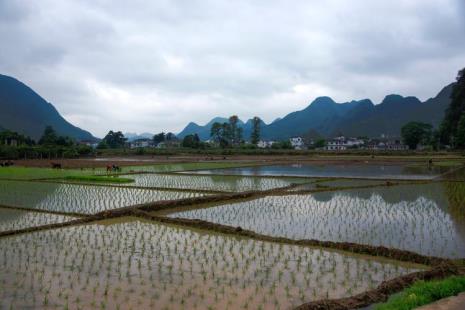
342, 143
297, 143
387, 145
142, 143
264, 144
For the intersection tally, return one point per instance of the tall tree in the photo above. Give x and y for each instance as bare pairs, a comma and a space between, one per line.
192, 141
8, 137
113, 140
158, 138
215, 132
460, 135
455, 110
255, 135
227, 135
233, 120
239, 133
49, 137
414, 133
170, 137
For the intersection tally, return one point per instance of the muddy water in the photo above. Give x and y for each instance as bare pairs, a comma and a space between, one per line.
218, 183
11, 219
424, 218
141, 265
339, 170
79, 198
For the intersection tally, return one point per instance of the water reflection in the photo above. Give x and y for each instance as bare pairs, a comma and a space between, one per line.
337, 170
426, 218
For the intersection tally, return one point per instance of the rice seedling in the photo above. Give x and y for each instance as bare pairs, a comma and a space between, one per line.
218, 183
89, 263
79, 198
421, 218
13, 219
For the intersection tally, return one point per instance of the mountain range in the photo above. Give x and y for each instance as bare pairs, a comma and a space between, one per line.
131, 136
24, 111
327, 118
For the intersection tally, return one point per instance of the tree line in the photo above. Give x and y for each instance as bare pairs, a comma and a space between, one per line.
229, 134
14, 145
451, 132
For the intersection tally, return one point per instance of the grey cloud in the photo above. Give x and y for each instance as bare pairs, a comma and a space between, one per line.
150, 66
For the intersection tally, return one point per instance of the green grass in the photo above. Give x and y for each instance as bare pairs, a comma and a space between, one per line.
27, 173
423, 293
104, 179
23, 173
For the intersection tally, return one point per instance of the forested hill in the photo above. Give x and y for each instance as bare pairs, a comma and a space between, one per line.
26, 112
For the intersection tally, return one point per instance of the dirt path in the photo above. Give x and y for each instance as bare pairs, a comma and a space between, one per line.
450, 303
132, 160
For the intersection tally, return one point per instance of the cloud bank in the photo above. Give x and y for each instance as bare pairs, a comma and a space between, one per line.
156, 65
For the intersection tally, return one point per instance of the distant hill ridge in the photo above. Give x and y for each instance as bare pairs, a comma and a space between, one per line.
354, 118
131, 136
24, 111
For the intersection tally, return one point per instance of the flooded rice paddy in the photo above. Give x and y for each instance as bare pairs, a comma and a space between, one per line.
392, 171
425, 218
213, 183
11, 219
86, 199
129, 263
145, 265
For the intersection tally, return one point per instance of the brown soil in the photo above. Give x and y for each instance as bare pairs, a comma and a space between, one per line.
131, 160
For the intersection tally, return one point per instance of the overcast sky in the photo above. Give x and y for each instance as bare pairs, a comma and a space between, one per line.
142, 66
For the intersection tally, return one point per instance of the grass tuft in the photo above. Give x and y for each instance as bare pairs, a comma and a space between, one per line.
423, 293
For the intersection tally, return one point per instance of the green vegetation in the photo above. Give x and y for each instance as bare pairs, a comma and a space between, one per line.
227, 134
284, 145
103, 179
160, 137
8, 137
132, 263
92, 265
255, 135
452, 130
414, 133
113, 140
51, 138
79, 199
223, 183
423, 293
31, 173
14, 146
391, 216
193, 141
23, 173
11, 219
169, 139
